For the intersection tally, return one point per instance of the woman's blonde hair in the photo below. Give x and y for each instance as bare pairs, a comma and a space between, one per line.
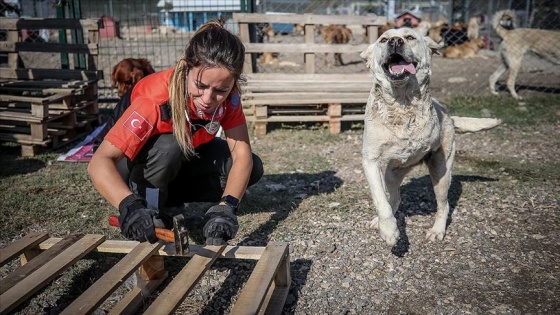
211, 46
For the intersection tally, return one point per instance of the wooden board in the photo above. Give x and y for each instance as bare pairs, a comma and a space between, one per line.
174, 294
38, 261
42, 276
16, 248
88, 301
308, 19
124, 247
254, 293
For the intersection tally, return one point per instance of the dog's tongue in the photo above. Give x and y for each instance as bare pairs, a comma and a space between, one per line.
403, 65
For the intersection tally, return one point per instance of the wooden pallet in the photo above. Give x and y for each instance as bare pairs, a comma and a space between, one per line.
40, 103
43, 258
322, 98
50, 113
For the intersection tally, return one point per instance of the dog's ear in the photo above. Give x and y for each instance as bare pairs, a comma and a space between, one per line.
433, 46
367, 55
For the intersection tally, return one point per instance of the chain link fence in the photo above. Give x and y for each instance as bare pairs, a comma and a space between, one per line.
159, 30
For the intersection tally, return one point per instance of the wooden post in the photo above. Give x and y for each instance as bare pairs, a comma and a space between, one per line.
335, 113
149, 276
261, 118
309, 58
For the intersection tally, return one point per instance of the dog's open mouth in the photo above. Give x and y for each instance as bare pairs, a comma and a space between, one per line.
398, 68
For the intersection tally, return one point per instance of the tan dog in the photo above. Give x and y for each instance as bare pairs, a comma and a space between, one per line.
271, 58
387, 26
269, 34
465, 50
517, 42
129, 71
435, 31
404, 126
268, 58
336, 34
473, 28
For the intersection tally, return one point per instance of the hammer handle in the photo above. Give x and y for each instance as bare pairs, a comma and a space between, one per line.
162, 234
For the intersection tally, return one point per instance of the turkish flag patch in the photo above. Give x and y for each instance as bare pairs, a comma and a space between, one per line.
138, 125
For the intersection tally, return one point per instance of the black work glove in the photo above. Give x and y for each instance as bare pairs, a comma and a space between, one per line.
137, 222
221, 226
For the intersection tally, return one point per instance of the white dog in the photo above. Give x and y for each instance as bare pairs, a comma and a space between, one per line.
405, 126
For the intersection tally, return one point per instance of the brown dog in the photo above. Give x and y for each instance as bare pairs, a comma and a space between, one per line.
465, 50
518, 41
336, 34
129, 71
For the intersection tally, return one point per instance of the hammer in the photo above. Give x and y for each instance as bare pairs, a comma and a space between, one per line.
178, 235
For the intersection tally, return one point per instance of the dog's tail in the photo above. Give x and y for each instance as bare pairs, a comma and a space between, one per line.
470, 124
504, 21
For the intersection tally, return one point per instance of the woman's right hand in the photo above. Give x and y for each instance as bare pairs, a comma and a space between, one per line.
137, 220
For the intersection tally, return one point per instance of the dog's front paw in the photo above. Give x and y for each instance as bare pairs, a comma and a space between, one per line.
389, 231
435, 233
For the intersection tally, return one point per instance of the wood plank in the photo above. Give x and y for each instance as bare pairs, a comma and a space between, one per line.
289, 88
280, 287
45, 74
47, 99
88, 301
308, 19
301, 118
256, 289
38, 261
174, 294
335, 77
125, 247
11, 47
305, 95
16, 248
357, 99
135, 297
42, 276
49, 23
305, 48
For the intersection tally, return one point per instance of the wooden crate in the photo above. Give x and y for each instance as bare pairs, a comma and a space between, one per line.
41, 104
43, 258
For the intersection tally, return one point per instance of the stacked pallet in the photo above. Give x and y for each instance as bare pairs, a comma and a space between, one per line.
283, 96
323, 98
48, 91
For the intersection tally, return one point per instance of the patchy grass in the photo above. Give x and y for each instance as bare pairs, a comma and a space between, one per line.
530, 112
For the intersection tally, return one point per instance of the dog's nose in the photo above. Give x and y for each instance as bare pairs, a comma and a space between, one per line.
396, 42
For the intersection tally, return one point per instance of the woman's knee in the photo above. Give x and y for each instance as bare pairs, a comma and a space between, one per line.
258, 170
161, 160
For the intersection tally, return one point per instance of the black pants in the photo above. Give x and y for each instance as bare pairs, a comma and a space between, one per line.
162, 174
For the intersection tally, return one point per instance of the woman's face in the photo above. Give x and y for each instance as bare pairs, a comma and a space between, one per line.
209, 87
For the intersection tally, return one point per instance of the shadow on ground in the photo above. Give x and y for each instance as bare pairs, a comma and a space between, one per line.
417, 198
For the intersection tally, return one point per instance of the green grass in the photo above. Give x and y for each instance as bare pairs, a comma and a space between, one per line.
524, 172
530, 112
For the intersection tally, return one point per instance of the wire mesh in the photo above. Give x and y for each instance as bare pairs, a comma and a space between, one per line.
159, 30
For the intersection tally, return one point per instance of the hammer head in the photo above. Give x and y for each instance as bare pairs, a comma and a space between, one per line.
180, 234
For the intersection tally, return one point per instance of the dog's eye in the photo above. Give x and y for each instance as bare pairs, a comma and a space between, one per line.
383, 40
410, 37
